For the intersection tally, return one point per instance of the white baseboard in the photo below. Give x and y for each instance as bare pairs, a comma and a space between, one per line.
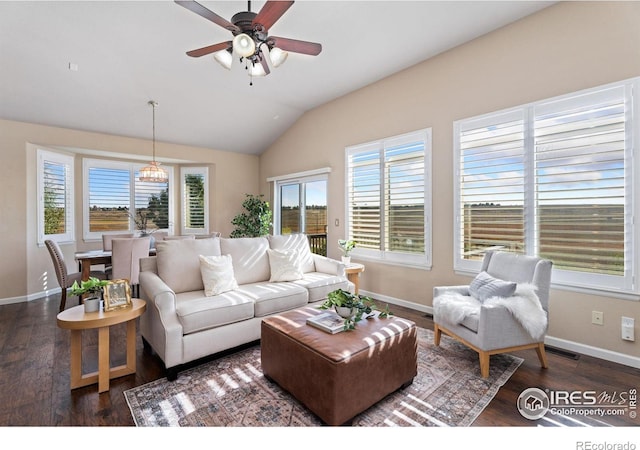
30, 297
596, 352
576, 347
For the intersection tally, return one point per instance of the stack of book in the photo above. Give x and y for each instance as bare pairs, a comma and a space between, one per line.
328, 321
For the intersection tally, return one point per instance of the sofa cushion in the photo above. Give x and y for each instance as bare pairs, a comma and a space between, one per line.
197, 312
485, 286
250, 259
217, 274
285, 265
320, 284
271, 298
179, 262
298, 243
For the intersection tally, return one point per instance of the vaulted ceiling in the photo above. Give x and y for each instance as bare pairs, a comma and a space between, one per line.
92, 65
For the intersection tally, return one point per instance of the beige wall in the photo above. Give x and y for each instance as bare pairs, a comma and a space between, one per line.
564, 48
25, 268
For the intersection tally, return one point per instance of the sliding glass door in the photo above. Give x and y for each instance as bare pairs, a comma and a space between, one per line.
302, 208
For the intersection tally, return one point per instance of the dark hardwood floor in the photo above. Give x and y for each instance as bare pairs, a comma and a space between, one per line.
34, 376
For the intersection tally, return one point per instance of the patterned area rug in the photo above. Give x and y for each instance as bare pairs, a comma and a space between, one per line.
231, 391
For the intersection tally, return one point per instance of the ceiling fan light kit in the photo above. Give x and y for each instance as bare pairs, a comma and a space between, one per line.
251, 41
244, 45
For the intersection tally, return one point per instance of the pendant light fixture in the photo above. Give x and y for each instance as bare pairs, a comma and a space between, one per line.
152, 173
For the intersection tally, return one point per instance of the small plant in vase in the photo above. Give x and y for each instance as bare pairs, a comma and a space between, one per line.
346, 245
92, 287
351, 307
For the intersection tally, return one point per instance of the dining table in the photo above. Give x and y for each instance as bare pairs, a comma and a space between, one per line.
90, 258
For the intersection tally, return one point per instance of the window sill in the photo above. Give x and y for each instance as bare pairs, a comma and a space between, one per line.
589, 290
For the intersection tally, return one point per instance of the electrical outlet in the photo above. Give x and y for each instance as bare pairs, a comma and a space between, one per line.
597, 317
628, 324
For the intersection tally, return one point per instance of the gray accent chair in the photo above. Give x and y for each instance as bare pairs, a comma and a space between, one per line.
494, 329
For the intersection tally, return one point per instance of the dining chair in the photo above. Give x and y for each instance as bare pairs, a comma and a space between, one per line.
66, 279
125, 259
107, 246
159, 235
107, 238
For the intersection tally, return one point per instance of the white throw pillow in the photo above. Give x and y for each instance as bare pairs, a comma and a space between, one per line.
285, 265
217, 274
485, 286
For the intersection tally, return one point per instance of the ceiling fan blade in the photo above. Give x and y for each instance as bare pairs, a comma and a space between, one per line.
208, 14
210, 49
293, 45
271, 12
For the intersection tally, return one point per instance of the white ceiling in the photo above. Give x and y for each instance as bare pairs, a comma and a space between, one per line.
128, 53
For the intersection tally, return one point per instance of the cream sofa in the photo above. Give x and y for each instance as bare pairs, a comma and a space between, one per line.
182, 324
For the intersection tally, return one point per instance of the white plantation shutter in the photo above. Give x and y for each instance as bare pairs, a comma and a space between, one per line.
55, 197
194, 186
491, 173
112, 190
580, 181
109, 199
388, 204
364, 199
553, 179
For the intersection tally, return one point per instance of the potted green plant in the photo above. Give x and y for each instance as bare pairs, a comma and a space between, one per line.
351, 307
93, 287
256, 221
346, 245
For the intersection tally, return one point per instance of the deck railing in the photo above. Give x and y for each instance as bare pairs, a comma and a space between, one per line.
318, 243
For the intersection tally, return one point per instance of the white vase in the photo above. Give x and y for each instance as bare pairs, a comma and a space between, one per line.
346, 260
91, 304
345, 312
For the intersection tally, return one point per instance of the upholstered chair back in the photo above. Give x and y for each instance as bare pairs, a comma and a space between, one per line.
107, 238
521, 269
125, 258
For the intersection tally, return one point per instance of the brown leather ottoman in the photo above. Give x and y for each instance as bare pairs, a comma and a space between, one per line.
337, 376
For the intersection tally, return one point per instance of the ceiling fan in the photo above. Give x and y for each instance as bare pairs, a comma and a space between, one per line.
251, 41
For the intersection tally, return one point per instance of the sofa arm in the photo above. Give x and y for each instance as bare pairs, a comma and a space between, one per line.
328, 265
160, 324
156, 291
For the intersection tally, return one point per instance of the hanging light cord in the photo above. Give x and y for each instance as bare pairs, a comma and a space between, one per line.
153, 104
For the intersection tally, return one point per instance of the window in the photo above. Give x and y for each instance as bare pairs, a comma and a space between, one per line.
300, 206
553, 179
195, 200
55, 197
388, 201
113, 194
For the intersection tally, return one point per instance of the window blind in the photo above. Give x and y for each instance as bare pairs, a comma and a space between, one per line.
55, 197
555, 179
388, 203
193, 200
492, 185
109, 199
580, 181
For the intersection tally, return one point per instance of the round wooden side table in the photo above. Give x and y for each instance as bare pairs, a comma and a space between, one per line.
76, 320
353, 271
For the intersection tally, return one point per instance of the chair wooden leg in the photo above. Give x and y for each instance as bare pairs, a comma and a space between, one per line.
437, 333
63, 299
484, 364
542, 355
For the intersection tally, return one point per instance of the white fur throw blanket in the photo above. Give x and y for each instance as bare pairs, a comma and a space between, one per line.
524, 305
